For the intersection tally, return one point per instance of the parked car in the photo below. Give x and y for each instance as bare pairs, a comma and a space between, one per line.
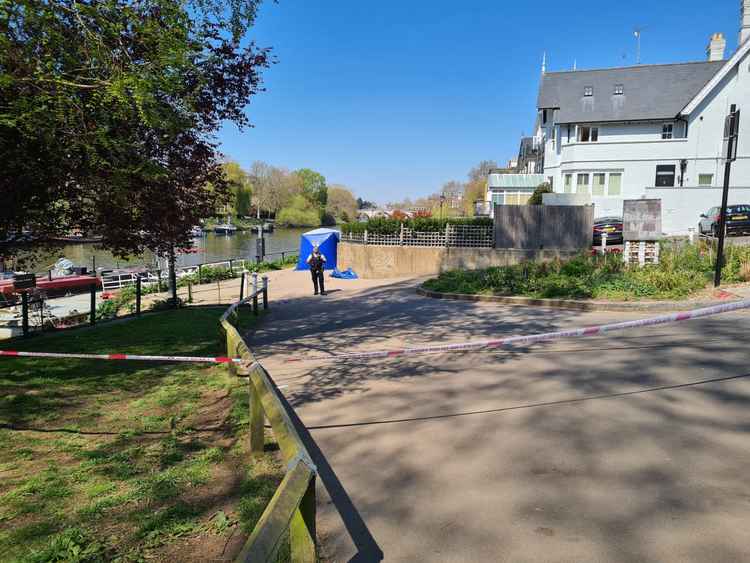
738, 220
610, 225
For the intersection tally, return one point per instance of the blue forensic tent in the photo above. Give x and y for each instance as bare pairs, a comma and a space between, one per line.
326, 239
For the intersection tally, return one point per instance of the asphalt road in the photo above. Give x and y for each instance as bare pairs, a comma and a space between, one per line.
633, 447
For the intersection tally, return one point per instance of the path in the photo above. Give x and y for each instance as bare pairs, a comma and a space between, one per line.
629, 448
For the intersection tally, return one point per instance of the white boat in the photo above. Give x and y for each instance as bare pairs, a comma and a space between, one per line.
196, 231
225, 228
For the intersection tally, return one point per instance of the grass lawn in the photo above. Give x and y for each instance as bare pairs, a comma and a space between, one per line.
127, 461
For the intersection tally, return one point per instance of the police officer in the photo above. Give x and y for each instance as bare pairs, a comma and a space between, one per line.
317, 260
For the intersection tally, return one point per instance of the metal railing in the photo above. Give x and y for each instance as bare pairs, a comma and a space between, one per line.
457, 236
292, 507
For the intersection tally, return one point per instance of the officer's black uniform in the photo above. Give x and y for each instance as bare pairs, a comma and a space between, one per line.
317, 263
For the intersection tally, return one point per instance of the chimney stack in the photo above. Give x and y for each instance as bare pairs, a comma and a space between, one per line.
744, 21
716, 47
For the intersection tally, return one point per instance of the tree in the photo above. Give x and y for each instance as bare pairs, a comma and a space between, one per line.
364, 204
537, 197
301, 212
341, 203
239, 183
108, 115
482, 170
313, 186
474, 191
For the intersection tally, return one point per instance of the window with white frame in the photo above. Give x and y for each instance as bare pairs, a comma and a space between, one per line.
588, 134
705, 179
614, 187
667, 131
582, 186
600, 180
588, 91
619, 89
568, 183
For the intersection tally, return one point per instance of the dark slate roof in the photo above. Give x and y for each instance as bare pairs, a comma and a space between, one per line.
650, 91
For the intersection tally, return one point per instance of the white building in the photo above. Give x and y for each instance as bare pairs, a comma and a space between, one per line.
653, 131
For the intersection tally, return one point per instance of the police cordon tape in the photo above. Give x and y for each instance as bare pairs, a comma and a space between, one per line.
433, 349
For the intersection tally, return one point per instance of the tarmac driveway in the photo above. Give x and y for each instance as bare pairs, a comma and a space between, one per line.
634, 447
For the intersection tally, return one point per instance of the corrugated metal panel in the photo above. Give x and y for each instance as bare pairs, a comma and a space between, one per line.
505, 181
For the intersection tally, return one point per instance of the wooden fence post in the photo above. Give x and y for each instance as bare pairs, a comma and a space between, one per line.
93, 304
25, 312
257, 437
138, 296
302, 534
242, 286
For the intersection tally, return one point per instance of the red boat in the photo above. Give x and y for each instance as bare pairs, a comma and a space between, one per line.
55, 286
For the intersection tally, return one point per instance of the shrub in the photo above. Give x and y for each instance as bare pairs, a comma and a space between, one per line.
683, 271
300, 213
423, 224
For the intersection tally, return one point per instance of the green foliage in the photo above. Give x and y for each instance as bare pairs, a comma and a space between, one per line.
109, 114
313, 187
423, 224
683, 271
239, 183
536, 198
300, 213
73, 545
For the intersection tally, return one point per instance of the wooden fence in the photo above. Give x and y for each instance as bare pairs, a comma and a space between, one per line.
464, 236
292, 507
543, 227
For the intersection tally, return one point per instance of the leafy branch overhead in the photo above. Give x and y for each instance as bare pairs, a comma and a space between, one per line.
109, 110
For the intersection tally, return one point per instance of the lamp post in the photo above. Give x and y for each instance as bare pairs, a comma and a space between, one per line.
442, 203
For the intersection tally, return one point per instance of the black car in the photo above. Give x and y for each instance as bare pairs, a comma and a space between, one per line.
610, 225
738, 220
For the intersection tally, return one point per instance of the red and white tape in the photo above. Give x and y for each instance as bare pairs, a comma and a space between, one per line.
430, 349
192, 359
530, 339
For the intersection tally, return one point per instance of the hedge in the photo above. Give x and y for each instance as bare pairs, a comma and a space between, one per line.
421, 224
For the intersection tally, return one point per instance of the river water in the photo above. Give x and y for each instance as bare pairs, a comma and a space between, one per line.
208, 248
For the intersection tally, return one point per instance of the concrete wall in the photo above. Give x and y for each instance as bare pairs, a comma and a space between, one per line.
379, 262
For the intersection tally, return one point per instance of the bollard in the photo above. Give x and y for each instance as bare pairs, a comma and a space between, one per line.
691, 235
190, 292
138, 296
25, 312
604, 243
255, 293
265, 292
93, 304
231, 267
242, 286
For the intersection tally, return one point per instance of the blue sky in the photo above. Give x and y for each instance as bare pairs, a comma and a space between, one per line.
395, 97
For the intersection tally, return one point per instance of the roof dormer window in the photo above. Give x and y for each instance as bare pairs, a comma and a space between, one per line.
588, 91
619, 89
